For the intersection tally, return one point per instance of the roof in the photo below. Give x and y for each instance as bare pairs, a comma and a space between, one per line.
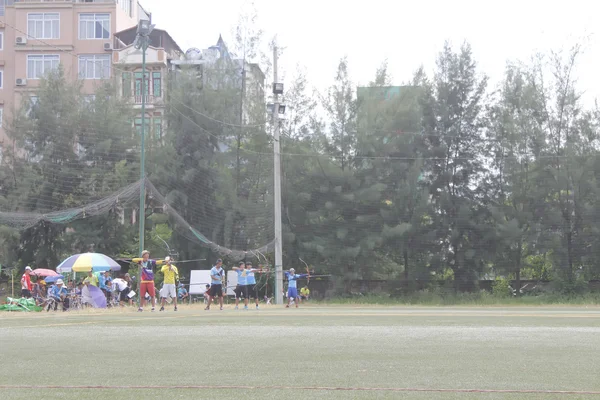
133, 29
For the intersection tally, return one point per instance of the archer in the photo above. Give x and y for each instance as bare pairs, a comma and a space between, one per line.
292, 278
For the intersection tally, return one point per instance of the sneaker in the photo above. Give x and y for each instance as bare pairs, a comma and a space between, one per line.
152, 309
245, 307
287, 306
175, 309
161, 309
207, 309
236, 307
221, 308
140, 309
257, 307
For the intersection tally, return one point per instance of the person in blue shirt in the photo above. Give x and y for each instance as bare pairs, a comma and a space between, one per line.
182, 293
241, 288
104, 283
251, 281
60, 293
216, 287
292, 293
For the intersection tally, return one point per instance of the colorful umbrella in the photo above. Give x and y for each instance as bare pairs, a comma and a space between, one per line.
88, 262
43, 272
94, 296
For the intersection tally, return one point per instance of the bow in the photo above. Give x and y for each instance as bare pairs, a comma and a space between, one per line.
307, 271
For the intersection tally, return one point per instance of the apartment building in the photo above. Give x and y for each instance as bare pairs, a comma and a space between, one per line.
162, 51
38, 35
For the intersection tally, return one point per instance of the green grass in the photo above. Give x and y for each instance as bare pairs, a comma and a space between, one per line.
482, 298
525, 348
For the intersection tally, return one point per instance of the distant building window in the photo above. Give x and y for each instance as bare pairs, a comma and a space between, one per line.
158, 128
138, 84
138, 125
39, 65
1, 39
127, 6
43, 25
156, 84
32, 107
126, 82
1, 122
94, 26
1, 78
94, 66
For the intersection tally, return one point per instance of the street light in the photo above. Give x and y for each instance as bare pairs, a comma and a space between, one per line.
142, 41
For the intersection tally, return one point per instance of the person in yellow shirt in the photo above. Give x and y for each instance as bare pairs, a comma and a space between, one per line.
169, 289
304, 293
93, 278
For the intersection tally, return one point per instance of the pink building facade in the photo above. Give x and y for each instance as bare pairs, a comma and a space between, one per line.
38, 35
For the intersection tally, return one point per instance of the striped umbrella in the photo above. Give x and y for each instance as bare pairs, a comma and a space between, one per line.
88, 262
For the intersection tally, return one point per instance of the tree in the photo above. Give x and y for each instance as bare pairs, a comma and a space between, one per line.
454, 123
72, 151
516, 140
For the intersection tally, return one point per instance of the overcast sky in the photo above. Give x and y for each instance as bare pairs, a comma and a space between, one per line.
317, 33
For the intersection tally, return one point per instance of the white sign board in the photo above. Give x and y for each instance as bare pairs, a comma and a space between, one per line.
198, 281
231, 282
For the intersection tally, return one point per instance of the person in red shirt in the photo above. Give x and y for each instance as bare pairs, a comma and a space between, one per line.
26, 283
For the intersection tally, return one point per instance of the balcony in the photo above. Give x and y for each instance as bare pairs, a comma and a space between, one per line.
149, 99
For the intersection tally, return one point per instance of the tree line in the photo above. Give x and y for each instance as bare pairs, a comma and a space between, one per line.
444, 177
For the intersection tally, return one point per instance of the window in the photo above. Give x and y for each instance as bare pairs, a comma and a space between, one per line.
94, 66
43, 25
138, 86
1, 117
39, 65
94, 26
33, 104
156, 84
126, 81
1, 78
1, 39
127, 6
158, 128
138, 125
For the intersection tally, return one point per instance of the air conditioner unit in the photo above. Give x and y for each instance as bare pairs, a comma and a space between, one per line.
21, 82
21, 40
107, 46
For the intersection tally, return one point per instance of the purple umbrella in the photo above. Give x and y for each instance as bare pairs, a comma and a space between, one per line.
94, 296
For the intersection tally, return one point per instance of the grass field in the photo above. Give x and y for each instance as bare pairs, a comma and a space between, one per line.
311, 352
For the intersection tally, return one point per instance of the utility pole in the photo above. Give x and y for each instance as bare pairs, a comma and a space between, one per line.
277, 188
142, 42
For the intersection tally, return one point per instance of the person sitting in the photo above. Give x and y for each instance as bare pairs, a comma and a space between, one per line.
182, 293
206, 293
60, 294
304, 293
37, 293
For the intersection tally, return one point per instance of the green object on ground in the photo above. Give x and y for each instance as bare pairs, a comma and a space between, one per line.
21, 304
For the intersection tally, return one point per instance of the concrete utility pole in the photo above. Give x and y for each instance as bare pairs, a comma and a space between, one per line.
277, 188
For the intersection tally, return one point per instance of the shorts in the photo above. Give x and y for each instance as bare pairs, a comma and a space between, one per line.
216, 291
25, 293
241, 291
168, 290
292, 293
147, 287
252, 291
123, 296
